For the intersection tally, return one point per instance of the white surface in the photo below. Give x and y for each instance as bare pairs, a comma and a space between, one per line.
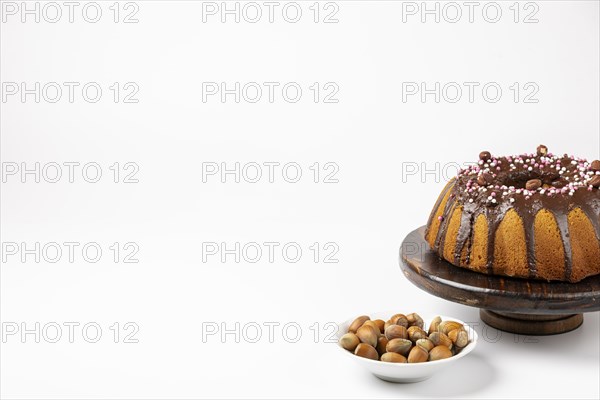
370, 134
408, 372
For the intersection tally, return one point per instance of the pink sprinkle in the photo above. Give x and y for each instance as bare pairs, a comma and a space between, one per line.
440, 218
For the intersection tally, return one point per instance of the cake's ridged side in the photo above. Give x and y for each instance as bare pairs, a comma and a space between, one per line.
433, 225
528, 216
478, 258
584, 246
510, 249
464, 255
549, 249
452, 232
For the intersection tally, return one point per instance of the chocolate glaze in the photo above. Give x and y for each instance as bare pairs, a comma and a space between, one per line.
566, 186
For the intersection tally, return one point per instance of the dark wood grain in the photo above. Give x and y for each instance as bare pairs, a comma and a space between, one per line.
531, 324
427, 271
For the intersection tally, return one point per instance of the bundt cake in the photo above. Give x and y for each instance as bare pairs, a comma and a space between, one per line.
534, 216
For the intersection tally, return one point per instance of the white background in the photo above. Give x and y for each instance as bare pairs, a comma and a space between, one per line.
371, 134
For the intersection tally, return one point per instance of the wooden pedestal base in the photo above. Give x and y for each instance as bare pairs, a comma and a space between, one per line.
531, 324
527, 307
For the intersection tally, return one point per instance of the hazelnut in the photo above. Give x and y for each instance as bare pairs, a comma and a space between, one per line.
439, 353
415, 333
459, 337
399, 319
366, 351
382, 343
447, 326
485, 155
349, 341
415, 319
400, 346
396, 331
418, 355
367, 334
440, 339
533, 184
357, 323
433, 326
373, 325
393, 357
542, 150
380, 325
426, 344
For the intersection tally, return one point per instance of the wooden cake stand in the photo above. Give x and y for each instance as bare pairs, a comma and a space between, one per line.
527, 307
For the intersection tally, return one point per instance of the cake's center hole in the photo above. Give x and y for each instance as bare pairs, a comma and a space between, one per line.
519, 179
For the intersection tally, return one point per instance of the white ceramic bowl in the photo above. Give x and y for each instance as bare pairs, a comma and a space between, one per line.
406, 373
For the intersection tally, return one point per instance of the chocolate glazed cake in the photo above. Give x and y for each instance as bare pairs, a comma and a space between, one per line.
534, 216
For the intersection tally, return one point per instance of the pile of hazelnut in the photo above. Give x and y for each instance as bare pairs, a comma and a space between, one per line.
403, 339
